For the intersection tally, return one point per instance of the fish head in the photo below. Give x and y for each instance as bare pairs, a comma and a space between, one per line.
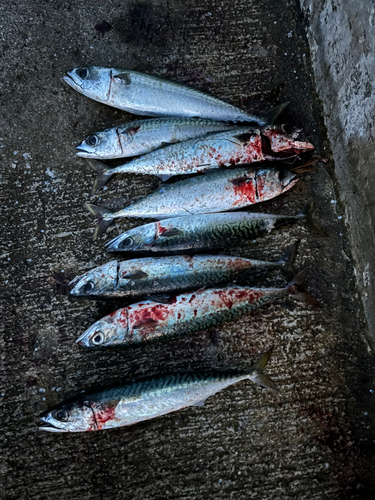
91, 81
108, 331
271, 182
139, 238
282, 142
71, 417
105, 144
96, 282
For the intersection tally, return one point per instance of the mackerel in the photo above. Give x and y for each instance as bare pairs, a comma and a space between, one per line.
217, 191
186, 313
143, 136
199, 233
155, 275
147, 95
147, 399
244, 145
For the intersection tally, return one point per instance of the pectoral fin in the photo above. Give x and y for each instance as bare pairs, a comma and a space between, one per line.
171, 232
136, 275
124, 78
200, 403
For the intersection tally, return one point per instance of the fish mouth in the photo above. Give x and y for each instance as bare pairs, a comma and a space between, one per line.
83, 339
110, 246
74, 288
84, 153
49, 426
73, 81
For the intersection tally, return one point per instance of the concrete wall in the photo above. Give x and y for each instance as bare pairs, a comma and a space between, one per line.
341, 35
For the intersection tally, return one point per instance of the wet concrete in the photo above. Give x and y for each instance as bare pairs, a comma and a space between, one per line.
314, 438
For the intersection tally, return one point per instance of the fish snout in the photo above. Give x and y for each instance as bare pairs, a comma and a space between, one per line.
73, 80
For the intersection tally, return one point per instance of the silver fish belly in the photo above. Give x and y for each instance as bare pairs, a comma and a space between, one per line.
147, 95
139, 401
143, 136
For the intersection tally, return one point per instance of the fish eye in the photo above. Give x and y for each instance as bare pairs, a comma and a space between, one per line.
98, 338
89, 287
61, 414
127, 243
83, 73
93, 140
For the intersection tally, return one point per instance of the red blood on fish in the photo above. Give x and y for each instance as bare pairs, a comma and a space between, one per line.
281, 142
192, 298
245, 192
123, 318
160, 229
102, 416
230, 296
152, 314
260, 187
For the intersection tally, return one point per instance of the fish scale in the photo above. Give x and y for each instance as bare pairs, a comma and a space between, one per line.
143, 400
202, 232
143, 94
218, 191
243, 145
140, 137
186, 313
157, 275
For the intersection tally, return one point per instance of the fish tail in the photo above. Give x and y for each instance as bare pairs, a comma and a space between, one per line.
296, 290
306, 213
103, 175
286, 261
274, 113
99, 213
256, 372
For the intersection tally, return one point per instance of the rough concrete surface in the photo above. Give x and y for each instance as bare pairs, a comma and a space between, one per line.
342, 40
314, 438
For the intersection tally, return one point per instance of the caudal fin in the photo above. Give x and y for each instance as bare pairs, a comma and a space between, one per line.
103, 176
306, 213
286, 261
99, 212
296, 289
257, 375
274, 113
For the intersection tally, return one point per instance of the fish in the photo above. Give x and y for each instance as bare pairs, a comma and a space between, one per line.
160, 275
243, 145
143, 400
217, 191
143, 136
185, 313
198, 233
147, 95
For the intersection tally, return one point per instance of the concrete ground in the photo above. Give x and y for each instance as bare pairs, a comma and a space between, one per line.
313, 439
